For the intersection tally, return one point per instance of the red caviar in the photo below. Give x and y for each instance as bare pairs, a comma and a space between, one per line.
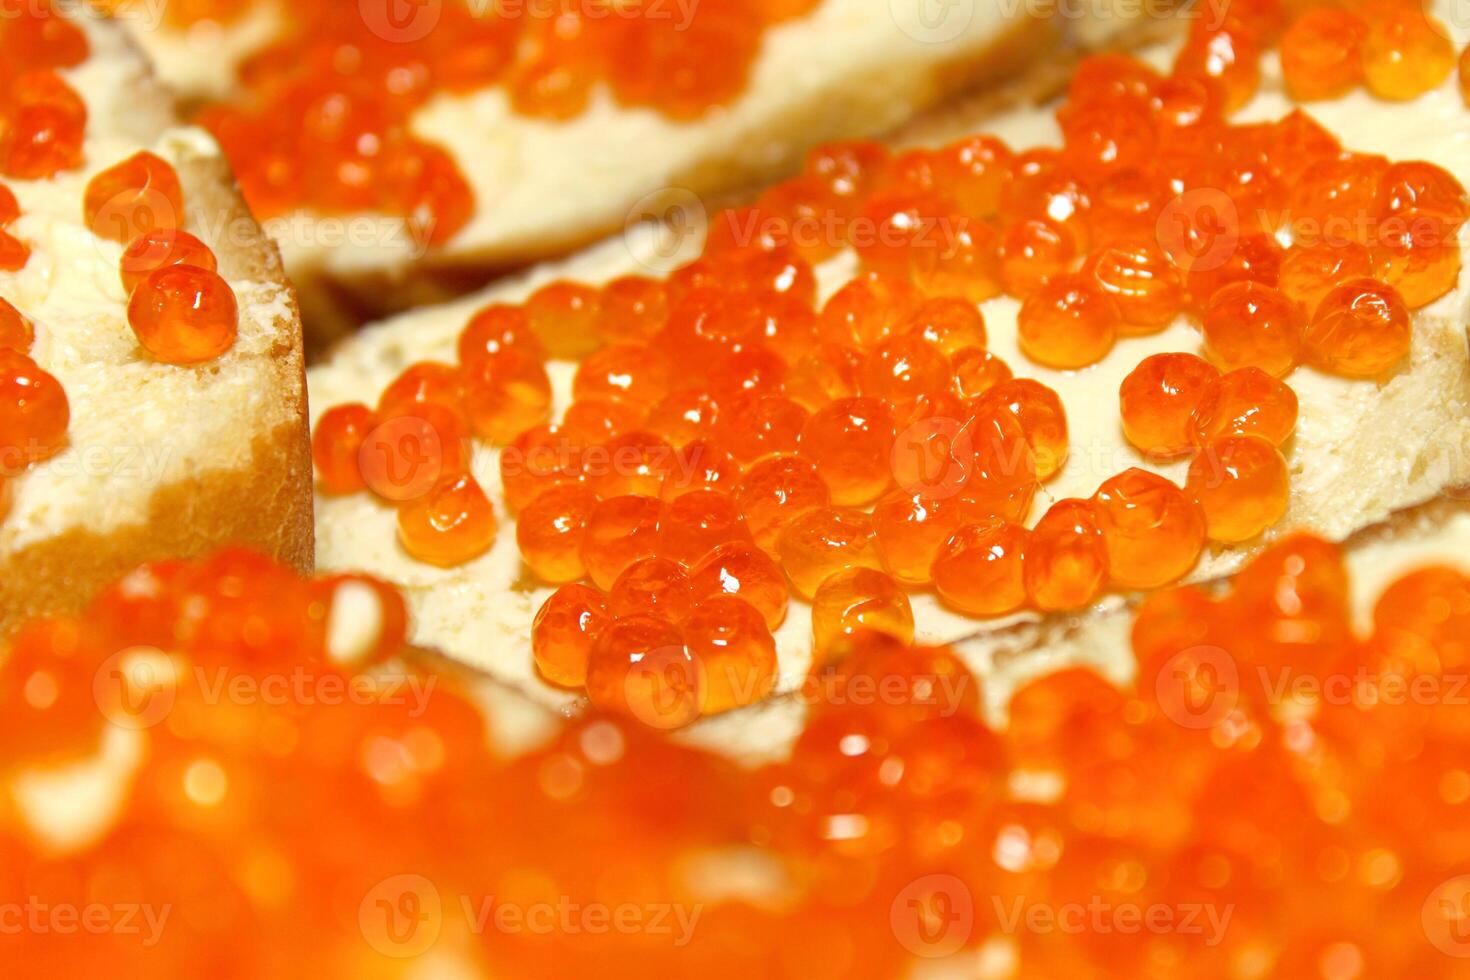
139, 195
451, 524
34, 412
159, 248
183, 314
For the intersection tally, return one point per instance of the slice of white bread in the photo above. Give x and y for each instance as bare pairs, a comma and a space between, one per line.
1362, 450
850, 68
161, 460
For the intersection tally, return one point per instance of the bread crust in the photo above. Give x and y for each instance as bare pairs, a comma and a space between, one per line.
257, 495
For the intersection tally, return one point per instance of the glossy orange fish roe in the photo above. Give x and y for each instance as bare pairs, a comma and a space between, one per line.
505, 394
1321, 54
824, 541
746, 572
755, 427
1068, 323
625, 371
631, 309
411, 448
684, 415
541, 457
867, 310
425, 383
1153, 530
1158, 399
1310, 272
901, 370
850, 441
563, 317
640, 667
826, 374
1253, 257
1361, 329
183, 314
34, 413
336, 445
631, 463
14, 253
451, 524
1247, 401
566, 626
549, 533
1001, 478
949, 324
1142, 284
1042, 418
1241, 484
134, 197
961, 261
1230, 56
979, 570
700, 465
859, 599
775, 492
696, 523
1065, 565
1419, 256
45, 120
1034, 251
1247, 324
1406, 52
976, 371
16, 332
158, 248
654, 587
619, 532
595, 420
911, 528
734, 651
494, 329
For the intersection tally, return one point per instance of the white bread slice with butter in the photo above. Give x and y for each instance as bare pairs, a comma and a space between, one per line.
850, 68
161, 460
1362, 450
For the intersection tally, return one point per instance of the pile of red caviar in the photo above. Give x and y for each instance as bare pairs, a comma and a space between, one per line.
181, 311
41, 124
731, 439
308, 808
322, 120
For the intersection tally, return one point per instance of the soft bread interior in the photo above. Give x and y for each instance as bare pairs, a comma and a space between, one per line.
1362, 451
161, 460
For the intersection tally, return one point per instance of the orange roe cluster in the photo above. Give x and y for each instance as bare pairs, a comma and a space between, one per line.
41, 117
180, 308
329, 789
854, 447
324, 119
